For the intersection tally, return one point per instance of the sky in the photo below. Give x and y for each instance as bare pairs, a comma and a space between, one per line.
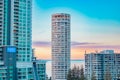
95, 25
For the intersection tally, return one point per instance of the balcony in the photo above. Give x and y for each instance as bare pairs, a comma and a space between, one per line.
16, 23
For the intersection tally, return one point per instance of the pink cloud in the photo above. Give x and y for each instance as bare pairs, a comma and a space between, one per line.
77, 45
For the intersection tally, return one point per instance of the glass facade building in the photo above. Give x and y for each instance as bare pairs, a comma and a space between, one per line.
8, 63
16, 30
15, 26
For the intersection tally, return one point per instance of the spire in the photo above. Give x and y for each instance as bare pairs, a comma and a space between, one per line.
85, 51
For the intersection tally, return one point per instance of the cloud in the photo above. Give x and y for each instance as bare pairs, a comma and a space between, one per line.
77, 45
82, 43
99, 46
93, 45
41, 43
45, 43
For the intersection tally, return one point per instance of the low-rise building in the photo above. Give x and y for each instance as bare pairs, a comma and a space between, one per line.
10, 69
39, 69
103, 64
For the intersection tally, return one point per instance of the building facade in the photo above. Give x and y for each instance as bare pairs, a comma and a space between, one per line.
60, 46
105, 64
39, 67
15, 26
8, 57
16, 30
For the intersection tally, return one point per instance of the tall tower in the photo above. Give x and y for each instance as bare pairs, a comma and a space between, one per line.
16, 42
15, 39
60, 46
15, 26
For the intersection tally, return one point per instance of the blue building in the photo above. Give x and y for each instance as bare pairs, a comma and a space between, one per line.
39, 69
16, 35
8, 70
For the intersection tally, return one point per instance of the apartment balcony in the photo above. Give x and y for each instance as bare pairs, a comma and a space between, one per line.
15, 26
1, 35
16, 23
16, 2
15, 30
1, 9
1, 15
16, 9
1, 4
16, 16
16, 40
16, 20
16, 13
1, 30
16, 43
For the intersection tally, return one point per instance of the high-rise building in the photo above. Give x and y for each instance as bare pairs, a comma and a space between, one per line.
16, 30
15, 26
60, 46
104, 65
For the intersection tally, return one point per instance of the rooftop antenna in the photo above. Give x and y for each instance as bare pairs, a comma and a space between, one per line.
85, 51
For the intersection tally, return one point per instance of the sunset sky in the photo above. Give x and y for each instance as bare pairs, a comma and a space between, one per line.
95, 25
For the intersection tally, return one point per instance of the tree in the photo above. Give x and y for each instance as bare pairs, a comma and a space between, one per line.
82, 77
69, 75
76, 73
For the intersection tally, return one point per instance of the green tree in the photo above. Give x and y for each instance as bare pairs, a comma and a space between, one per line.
76, 73
82, 77
69, 75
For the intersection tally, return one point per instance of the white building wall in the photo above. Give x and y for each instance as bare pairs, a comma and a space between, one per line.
101, 63
60, 46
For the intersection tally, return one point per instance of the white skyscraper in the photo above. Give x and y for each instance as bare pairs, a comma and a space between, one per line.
60, 46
